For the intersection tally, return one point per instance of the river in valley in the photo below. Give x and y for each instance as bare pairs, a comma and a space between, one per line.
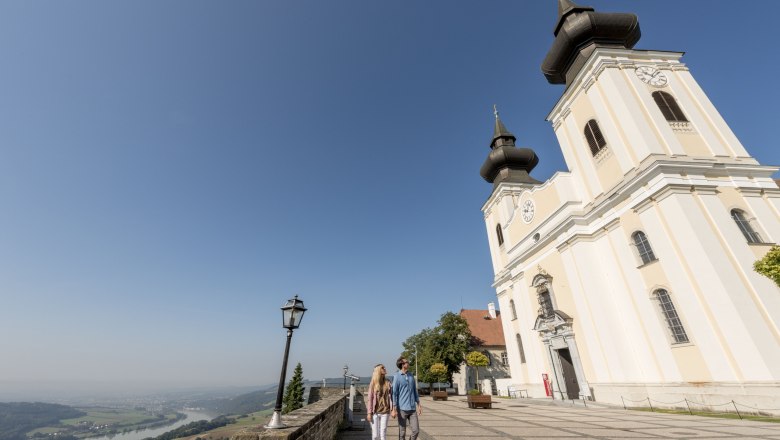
192, 416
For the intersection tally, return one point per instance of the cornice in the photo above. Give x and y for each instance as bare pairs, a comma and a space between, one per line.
584, 225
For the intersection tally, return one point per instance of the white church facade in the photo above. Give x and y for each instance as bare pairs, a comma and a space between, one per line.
630, 276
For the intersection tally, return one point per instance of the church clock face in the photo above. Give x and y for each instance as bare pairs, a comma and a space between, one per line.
528, 210
651, 75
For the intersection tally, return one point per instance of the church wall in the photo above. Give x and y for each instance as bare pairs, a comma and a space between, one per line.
720, 285
692, 142
525, 375
622, 98
546, 200
705, 117
596, 303
582, 168
496, 255
650, 338
766, 217
653, 127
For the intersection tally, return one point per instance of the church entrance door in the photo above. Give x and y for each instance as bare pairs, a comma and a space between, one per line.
569, 376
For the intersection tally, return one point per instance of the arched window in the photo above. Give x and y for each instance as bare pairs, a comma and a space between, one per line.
499, 234
520, 347
643, 247
595, 139
670, 315
512, 306
669, 107
504, 359
744, 225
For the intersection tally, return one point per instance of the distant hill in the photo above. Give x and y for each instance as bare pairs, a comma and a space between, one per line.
17, 418
242, 404
259, 400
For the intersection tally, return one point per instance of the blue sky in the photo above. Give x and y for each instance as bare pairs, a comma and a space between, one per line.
172, 172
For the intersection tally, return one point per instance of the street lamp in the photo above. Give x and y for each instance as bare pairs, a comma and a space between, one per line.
292, 314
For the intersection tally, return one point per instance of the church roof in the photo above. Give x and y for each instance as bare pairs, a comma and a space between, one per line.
486, 331
506, 162
580, 29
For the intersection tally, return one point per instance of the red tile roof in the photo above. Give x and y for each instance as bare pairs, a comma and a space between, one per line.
489, 332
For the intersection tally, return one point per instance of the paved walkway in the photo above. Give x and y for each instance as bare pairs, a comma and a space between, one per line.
538, 419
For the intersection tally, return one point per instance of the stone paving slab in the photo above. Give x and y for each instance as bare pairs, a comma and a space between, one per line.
531, 420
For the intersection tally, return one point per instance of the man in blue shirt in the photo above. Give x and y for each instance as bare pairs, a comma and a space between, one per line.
406, 401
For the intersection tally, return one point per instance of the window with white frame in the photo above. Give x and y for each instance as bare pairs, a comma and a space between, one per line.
673, 321
643, 247
743, 223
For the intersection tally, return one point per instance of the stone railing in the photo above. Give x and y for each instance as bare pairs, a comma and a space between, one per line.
316, 421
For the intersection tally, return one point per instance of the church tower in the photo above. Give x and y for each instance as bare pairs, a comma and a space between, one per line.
630, 274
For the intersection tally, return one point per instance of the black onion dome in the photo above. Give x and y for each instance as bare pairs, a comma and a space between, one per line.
505, 162
580, 29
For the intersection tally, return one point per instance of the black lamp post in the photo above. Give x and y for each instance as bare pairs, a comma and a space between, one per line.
292, 314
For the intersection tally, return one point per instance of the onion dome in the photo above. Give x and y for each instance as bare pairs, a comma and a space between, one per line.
505, 162
580, 29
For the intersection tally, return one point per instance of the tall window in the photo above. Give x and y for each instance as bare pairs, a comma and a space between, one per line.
520, 347
670, 315
595, 139
669, 107
512, 306
499, 234
504, 359
744, 225
643, 247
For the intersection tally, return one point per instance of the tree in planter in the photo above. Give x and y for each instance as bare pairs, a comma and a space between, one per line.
293, 394
476, 359
439, 372
769, 266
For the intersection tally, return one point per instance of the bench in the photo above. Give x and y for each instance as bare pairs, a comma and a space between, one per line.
514, 393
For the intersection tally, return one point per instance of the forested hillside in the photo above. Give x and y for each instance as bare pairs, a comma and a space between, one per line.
18, 418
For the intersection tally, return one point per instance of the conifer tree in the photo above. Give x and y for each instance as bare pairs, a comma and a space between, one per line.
293, 394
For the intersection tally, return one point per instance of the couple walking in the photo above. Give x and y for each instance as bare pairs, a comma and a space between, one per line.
399, 399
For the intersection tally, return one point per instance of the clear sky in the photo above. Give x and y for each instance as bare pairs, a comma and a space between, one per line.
172, 172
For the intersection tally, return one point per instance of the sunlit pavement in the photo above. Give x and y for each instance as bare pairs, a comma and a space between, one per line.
535, 419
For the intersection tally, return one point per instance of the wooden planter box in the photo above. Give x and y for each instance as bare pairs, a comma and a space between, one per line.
439, 395
482, 401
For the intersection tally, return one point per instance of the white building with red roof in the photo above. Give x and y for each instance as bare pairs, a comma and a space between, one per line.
487, 337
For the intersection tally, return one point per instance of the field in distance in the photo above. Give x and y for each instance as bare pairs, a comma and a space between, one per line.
107, 421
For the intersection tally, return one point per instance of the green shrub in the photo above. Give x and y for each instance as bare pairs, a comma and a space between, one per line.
769, 266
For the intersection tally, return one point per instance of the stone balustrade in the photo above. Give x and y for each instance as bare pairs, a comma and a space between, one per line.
316, 421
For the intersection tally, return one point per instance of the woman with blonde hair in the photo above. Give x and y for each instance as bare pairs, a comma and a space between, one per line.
379, 403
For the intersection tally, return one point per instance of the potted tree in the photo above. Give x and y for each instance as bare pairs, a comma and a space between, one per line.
439, 373
475, 397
